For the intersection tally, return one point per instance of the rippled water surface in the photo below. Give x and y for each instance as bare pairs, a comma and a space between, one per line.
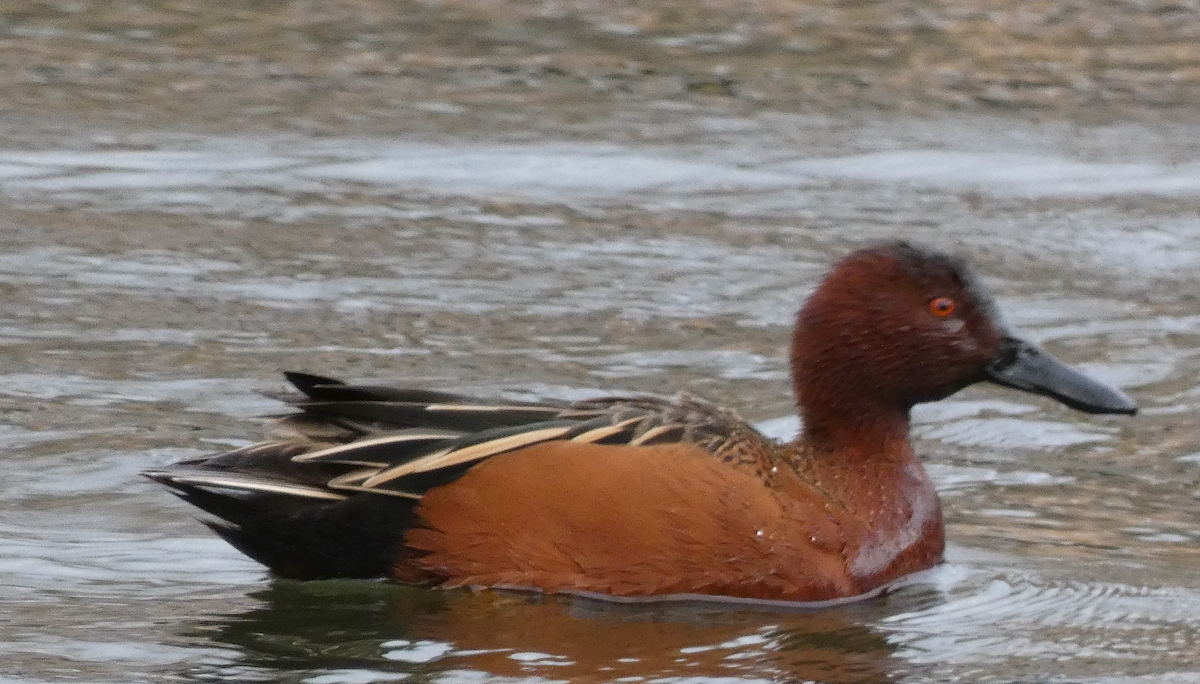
156, 277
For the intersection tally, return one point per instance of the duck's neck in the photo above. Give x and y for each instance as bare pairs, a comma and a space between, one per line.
856, 456
857, 426
864, 462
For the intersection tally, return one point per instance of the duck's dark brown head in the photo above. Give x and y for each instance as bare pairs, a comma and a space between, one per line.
894, 325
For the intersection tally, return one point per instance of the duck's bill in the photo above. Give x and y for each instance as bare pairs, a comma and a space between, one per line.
1024, 366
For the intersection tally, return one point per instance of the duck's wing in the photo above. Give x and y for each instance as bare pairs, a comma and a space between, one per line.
356, 444
402, 442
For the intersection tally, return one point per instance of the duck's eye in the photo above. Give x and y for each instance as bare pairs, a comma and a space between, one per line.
941, 307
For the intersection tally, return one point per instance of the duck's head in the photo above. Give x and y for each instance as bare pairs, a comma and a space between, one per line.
895, 325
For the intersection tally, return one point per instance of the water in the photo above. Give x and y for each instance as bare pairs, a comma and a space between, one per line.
161, 259
142, 337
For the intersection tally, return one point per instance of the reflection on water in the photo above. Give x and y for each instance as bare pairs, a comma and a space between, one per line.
388, 629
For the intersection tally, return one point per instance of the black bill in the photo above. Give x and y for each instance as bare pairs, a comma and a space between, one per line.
1023, 366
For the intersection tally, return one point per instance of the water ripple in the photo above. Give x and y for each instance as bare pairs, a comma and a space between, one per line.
1028, 617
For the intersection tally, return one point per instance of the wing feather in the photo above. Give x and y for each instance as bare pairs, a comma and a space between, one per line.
402, 442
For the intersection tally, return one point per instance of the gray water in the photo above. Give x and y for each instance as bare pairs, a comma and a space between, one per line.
180, 221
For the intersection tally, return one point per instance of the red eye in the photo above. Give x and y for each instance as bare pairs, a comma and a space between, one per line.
941, 307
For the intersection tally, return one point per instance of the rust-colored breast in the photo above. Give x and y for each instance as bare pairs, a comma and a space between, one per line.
627, 521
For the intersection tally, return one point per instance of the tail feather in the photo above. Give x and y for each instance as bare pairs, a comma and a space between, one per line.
302, 538
360, 537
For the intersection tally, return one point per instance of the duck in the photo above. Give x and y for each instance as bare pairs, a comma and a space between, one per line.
640, 497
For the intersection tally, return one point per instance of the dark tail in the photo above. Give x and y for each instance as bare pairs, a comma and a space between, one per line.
297, 530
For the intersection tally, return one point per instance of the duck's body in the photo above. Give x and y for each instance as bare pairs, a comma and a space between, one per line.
641, 496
